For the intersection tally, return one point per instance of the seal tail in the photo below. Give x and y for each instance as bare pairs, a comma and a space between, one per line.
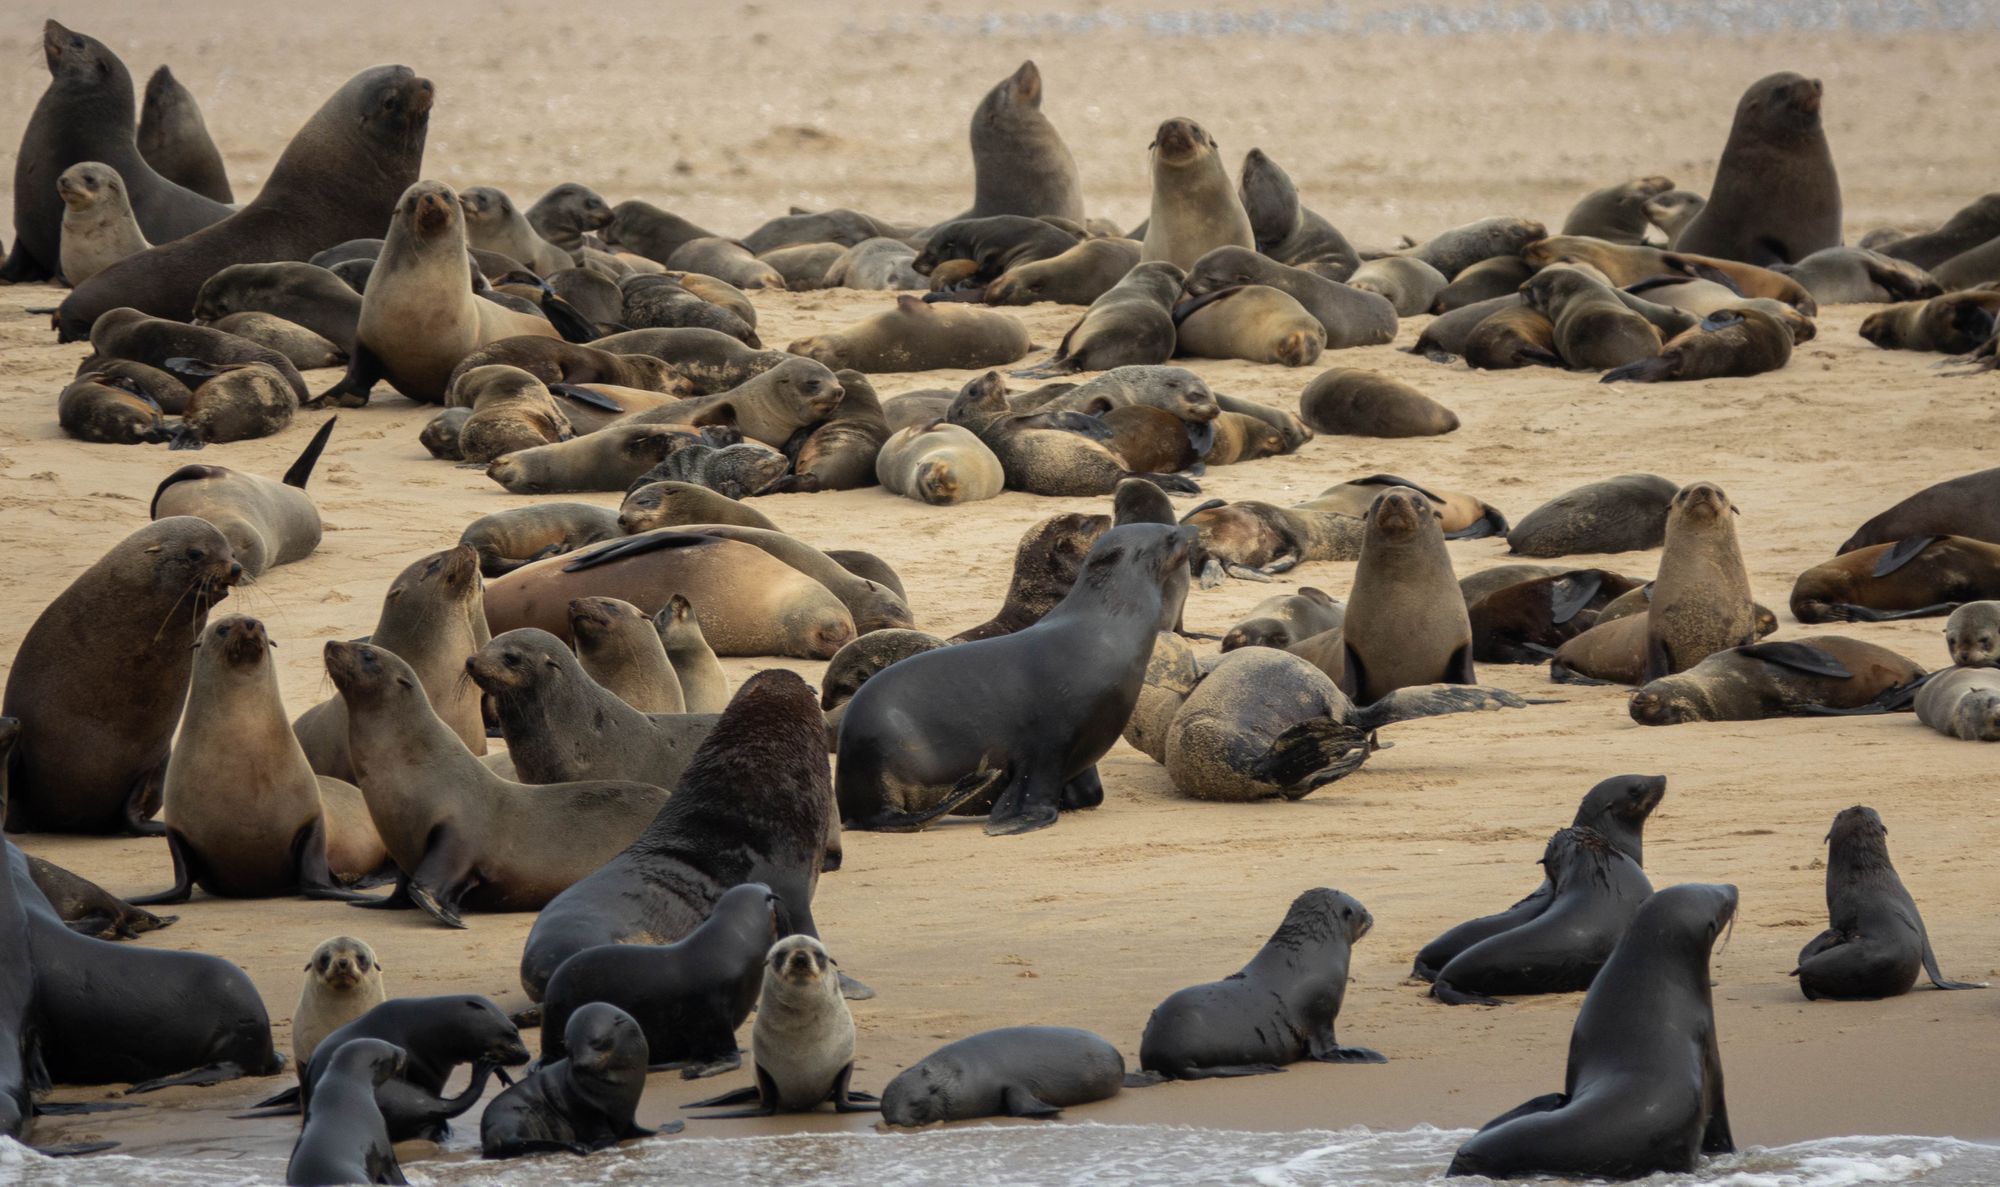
302, 469
967, 789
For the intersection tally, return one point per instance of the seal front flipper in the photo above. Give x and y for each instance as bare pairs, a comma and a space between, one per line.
1799, 657
855, 991
73, 1149
201, 1077
184, 876
22, 268
1322, 1048
1016, 1101
966, 790
583, 395
1084, 791
1902, 553
1848, 612
1028, 803
315, 879
568, 320
144, 803
448, 869
301, 470
1146, 1079
364, 370
284, 1104
847, 1099
1715, 1137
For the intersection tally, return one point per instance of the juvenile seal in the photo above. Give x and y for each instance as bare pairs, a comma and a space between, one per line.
508, 540
1358, 403
1279, 1009
703, 685
1130, 324
1972, 635
511, 410
1016, 1071
1616, 809
839, 452
1194, 208
1078, 276
343, 981
493, 224
1962, 703
1956, 323
306, 349
726, 260
98, 716
1594, 329
332, 183
554, 361
131, 335
1701, 599
610, 459
174, 139
98, 227
1616, 213
939, 463
732, 472
111, 410
419, 316
303, 294
769, 407
1039, 453
266, 523
344, 1139
865, 658
919, 336
584, 1102
1047, 561
1728, 344
1914, 578
1594, 891
464, 838
1350, 316
1760, 680
1100, 636
1643, 1092
238, 402
1453, 251
688, 997
618, 647
670, 504
1525, 622
1285, 230
1020, 164
1410, 285
1256, 323
754, 805
1853, 276
433, 616
1968, 505
1284, 619
878, 264
804, 266
1622, 514
567, 213
1776, 197
1877, 941
993, 245
1406, 622
803, 1042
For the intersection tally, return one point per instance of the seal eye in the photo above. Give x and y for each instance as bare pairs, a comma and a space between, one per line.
195, 554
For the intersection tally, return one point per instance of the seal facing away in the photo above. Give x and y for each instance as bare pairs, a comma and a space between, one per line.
1279, 1009
344, 1139
1595, 889
1877, 941
584, 1102
1016, 1071
1643, 1092
1616, 809
1046, 702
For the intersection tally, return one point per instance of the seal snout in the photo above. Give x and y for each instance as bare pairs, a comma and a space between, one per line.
243, 640
1179, 141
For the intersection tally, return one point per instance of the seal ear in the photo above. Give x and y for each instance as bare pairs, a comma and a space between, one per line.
723, 413
909, 304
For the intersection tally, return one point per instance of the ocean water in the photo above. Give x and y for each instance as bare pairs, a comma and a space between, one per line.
1054, 1156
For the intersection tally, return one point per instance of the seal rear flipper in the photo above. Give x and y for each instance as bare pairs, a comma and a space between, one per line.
568, 320
739, 1096
1490, 523
1208, 505
184, 876
143, 803
1560, 673
635, 546
583, 395
1799, 657
73, 1149
315, 879
1931, 968
1323, 1048
1146, 1079
1086, 790
1652, 370
364, 370
302, 469
22, 268
396, 900
854, 990
201, 1077
284, 1104
963, 792
1451, 995
848, 1099
1201, 436
442, 878
1228, 1071
1311, 755
1434, 700
1019, 1102
1028, 803
1548, 1103
1848, 612
1901, 553
1570, 593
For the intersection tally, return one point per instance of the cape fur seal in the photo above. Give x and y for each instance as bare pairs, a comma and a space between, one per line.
1046, 563
1350, 316
1020, 164
1406, 622
1913, 578
1195, 210
304, 294
336, 177
1622, 514
1130, 324
803, 1042
1643, 1092
1968, 505
919, 336
98, 228
584, 1102
1285, 230
1255, 322
1776, 197
1278, 1009
1616, 213
345, 1139
1760, 680
1264, 724
1078, 276
939, 463
1523, 623
1357, 403
174, 138
618, 647
1877, 941
266, 523
1962, 703
343, 981
519, 536
1730, 343
1016, 1071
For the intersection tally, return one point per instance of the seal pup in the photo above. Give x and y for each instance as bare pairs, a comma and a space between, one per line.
303, 294
111, 410
1357, 403
433, 617
132, 336
1595, 330
803, 1042
343, 981
991, 246
584, 1102
1016, 1071
1913, 578
1195, 210
1263, 724
266, 523
342, 169
1100, 636
1701, 599
508, 540
1643, 1090
670, 504
86, 115
1776, 197
1877, 941
1406, 622
1278, 1009
1452, 251
174, 139
753, 805
1594, 891
1622, 514
1972, 635
1616, 213
882, 265
1616, 809
98, 227
492, 223
610, 459
916, 335
98, 717
1350, 316
859, 662
1131, 324
618, 647
1020, 164
1728, 344
1283, 620
1285, 230
1672, 211
463, 838
567, 213
1038, 453
939, 463
306, 350
1962, 703
420, 282
245, 815
345, 1139
1046, 563
1854, 276
1965, 506
1080, 275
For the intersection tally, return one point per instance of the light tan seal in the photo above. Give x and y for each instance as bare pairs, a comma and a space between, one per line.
493, 224
506, 540
704, 686
98, 226
917, 336
1195, 209
940, 464
618, 646
607, 460
511, 410
1406, 621
343, 981
1701, 599
1256, 323
266, 523
668, 504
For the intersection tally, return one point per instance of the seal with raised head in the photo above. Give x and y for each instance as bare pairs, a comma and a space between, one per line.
862, 660
463, 838
344, 1138
1279, 1009
753, 806
1615, 809
492, 223
1130, 324
1616, 213
1016, 1071
1877, 942
432, 617
98, 228
1195, 209
586, 1101
1595, 888
567, 213
1285, 230
1776, 197
1406, 621
1020, 164
618, 646
266, 523
803, 1043
1701, 598
332, 183
174, 139
99, 680
1643, 1091
343, 981
1100, 636
1914, 578
1622, 514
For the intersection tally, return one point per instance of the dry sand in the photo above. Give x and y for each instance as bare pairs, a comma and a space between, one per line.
730, 114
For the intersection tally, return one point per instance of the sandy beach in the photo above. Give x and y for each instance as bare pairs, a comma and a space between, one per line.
731, 114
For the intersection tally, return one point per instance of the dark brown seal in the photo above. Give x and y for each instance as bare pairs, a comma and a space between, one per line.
1776, 197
